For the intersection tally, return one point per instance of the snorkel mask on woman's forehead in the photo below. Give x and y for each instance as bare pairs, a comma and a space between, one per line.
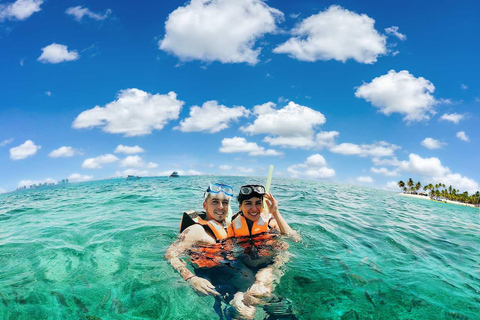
249, 191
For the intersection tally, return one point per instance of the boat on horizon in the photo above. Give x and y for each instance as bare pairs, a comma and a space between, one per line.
174, 175
130, 177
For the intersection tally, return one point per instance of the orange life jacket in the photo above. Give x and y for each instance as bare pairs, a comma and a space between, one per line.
239, 227
192, 217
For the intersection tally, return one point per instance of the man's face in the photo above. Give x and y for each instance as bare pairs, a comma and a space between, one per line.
216, 206
252, 208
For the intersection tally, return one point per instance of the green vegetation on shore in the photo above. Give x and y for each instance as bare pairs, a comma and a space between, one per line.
439, 191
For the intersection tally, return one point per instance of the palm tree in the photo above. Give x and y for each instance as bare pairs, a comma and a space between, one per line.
418, 186
401, 184
410, 184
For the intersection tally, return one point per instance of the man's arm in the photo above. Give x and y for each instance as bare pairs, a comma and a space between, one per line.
190, 236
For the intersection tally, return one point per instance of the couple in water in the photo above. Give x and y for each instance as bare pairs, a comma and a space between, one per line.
236, 261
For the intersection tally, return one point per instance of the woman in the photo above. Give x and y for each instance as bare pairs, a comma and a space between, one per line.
256, 228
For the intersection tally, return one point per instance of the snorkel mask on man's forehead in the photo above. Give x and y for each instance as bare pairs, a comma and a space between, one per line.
216, 188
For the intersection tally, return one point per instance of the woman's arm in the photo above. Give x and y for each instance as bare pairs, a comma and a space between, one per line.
280, 222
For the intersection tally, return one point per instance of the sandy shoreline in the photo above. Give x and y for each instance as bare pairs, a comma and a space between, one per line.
428, 198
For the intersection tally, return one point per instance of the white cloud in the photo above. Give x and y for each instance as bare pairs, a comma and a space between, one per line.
225, 167
5, 142
394, 32
400, 93
96, 163
385, 172
391, 186
314, 167
292, 126
64, 152
24, 150
56, 53
337, 34
244, 170
238, 144
462, 136
393, 161
327, 138
134, 113
28, 183
453, 117
431, 143
377, 150
79, 12
76, 177
137, 162
464, 86
19, 10
211, 117
128, 150
423, 166
457, 181
219, 30
2, 190
48, 93
366, 179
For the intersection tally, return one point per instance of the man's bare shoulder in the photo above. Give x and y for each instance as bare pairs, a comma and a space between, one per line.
195, 233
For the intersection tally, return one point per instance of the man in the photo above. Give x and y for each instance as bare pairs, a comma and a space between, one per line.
205, 230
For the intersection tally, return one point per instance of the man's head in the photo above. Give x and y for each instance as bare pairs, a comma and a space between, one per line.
250, 201
217, 201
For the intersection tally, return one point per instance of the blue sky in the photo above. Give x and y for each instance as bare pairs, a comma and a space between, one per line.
355, 92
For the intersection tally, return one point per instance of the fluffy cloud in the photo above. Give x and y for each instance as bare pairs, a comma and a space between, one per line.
453, 117
76, 177
96, 163
366, 179
79, 12
314, 167
134, 113
137, 162
292, 126
431, 143
19, 10
211, 117
336, 34
327, 138
56, 53
28, 183
237, 144
394, 32
64, 152
219, 30
462, 136
391, 186
377, 150
457, 181
385, 172
128, 150
243, 170
393, 161
400, 93
225, 167
423, 166
24, 150
5, 142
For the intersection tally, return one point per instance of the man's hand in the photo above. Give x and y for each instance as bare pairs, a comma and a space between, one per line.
202, 287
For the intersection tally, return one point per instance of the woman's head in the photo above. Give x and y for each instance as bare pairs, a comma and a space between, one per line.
250, 201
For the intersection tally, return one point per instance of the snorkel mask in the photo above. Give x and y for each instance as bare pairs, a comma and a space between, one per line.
250, 191
215, 188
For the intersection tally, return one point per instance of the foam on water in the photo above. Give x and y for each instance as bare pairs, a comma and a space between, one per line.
95, 251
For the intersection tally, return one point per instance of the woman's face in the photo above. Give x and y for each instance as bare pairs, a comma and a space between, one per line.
252, 208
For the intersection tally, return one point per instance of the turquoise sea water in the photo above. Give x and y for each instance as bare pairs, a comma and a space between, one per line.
95, 251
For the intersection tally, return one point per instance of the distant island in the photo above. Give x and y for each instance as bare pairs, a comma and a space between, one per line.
439, 192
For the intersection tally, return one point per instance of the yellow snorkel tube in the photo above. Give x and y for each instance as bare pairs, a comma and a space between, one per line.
267, 190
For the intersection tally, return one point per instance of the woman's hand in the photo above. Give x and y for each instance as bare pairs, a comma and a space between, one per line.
272, 203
